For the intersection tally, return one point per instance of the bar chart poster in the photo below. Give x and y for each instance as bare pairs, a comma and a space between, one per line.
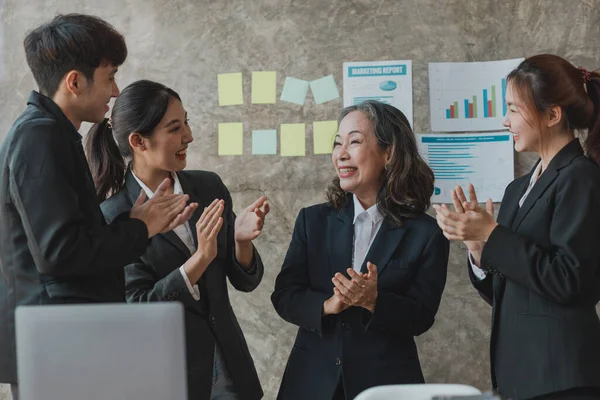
389, 82
468, 96
484, 159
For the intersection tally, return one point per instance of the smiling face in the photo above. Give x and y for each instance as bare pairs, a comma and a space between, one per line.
521, 123
358, 158
166, 148
92, 103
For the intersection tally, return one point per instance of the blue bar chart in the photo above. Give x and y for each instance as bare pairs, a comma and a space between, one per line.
468, 96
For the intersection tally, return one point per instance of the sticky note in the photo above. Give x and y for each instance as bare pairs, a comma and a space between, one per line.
264, 141
323, 135
230, 89
294, 90
324, 89
264, 87
293, 139
231, 139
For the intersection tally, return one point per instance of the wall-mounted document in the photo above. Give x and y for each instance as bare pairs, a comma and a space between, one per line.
389, 82
484, 159
468, 96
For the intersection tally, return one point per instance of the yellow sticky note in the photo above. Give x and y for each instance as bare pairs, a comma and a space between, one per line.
264, 87
323, 135
230, 89
293, 139
231, 139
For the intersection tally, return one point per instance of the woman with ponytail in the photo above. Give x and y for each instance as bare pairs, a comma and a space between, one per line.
538, 265
144, 142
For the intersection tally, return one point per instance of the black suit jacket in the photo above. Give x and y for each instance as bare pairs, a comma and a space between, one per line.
544, 280
155, 276
54, 244
366, 349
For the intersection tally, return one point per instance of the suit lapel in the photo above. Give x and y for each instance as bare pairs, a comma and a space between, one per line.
133, 189
190, 189
538, 189
510, 203
563, 158
384, 245
340, 234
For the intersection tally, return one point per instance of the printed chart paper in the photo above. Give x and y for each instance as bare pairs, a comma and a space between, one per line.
389, 82
468, 96
483, 159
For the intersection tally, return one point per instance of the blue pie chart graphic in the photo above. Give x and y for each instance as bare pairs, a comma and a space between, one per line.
388, 85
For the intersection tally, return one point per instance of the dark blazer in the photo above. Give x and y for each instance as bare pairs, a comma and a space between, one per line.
544, 280
366, 349
54, 244
155, 276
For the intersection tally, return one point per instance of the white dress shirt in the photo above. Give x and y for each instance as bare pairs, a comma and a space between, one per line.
481, 274
366, 226
183, 231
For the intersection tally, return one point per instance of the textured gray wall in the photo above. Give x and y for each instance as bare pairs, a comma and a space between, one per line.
185, 43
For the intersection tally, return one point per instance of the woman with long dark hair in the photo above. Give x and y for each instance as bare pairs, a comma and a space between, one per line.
149, 128
365, 271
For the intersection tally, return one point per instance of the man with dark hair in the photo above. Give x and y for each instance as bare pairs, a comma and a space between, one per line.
55, 246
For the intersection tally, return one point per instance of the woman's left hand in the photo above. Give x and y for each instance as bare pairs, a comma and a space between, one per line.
475, 224
249, 224
360, 290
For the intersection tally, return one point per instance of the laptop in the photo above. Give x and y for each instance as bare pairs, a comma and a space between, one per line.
99, 352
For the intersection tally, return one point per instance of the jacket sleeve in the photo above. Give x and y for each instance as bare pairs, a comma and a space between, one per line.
60, 238
565, 269
142, 285
244, 280
293, 298
484, 286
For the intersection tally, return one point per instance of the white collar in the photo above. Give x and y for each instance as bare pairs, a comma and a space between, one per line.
536, 174
373, 212
177, 189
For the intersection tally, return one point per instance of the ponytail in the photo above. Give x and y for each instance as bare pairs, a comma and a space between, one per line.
106, 162
592, 142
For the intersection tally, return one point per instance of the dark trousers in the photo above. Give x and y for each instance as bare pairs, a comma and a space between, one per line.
339, 392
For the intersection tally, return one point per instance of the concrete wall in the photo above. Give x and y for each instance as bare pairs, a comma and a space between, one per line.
185, 43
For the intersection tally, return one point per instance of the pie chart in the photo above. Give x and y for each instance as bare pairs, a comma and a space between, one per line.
388, 85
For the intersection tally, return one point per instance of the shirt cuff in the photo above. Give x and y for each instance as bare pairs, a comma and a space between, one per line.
479, 273
194, 291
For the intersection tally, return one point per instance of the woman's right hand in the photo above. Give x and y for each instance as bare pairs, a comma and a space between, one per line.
163, 212
207, 228
461, 205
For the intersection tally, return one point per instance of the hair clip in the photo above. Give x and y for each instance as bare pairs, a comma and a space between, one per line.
585, 74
